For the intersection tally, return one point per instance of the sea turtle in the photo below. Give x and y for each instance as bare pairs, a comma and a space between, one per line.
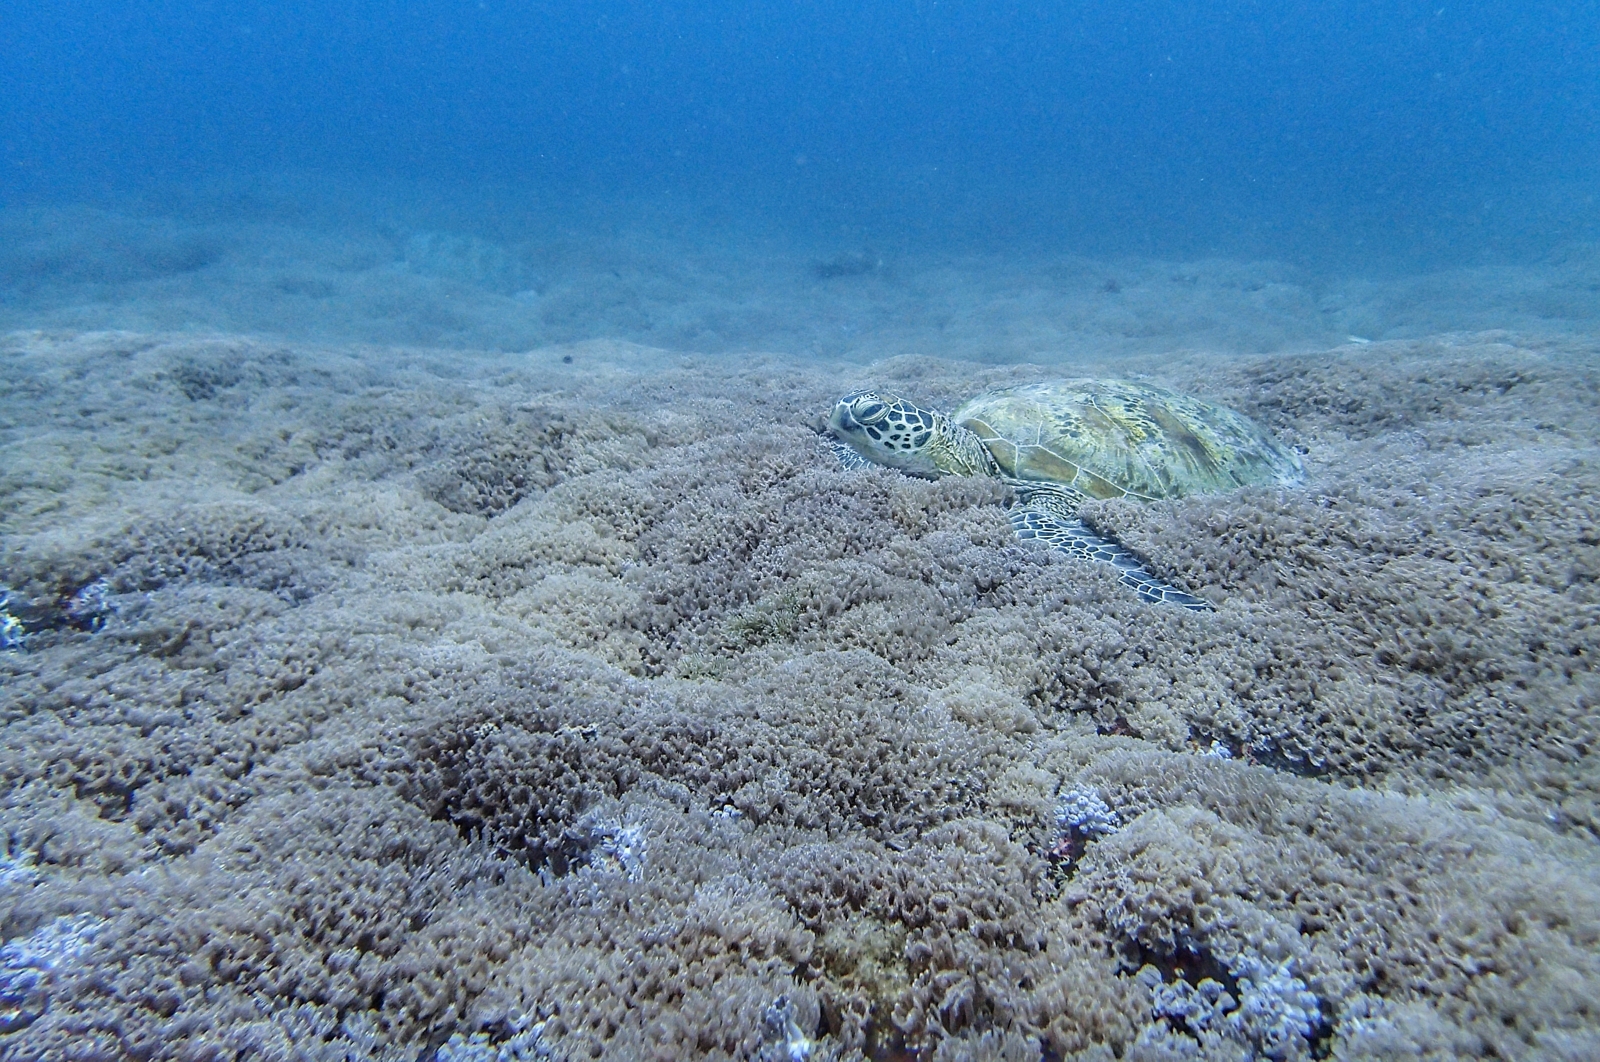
1060, 443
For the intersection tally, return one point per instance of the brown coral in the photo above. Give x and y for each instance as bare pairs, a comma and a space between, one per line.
408, 709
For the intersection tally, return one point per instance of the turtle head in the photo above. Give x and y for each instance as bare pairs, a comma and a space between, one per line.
887, 430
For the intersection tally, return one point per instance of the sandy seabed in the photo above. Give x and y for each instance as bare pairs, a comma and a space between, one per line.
371, 703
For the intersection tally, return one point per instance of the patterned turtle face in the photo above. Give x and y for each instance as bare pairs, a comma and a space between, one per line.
888, 430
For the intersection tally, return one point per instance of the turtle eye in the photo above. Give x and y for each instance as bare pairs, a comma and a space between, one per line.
869, 411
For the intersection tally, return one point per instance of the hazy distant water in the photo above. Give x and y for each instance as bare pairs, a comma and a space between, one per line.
1342, 137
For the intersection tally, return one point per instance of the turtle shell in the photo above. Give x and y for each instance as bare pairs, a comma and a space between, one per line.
1115, 438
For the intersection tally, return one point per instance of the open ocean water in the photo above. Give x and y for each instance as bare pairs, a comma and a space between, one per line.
437, 623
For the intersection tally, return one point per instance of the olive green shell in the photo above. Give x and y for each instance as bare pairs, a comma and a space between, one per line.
1113, 438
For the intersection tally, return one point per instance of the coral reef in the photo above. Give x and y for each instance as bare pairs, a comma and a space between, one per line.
490, 708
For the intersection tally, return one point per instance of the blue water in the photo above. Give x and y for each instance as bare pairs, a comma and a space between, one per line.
1347, 135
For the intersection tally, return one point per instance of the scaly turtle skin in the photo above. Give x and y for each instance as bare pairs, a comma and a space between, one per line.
1058, 444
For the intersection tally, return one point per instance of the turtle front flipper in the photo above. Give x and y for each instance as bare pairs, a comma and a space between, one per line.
847, 455
1045, 518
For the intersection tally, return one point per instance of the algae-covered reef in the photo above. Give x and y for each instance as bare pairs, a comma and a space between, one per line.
373, 704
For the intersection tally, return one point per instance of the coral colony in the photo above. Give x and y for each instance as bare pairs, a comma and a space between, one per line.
387, 712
